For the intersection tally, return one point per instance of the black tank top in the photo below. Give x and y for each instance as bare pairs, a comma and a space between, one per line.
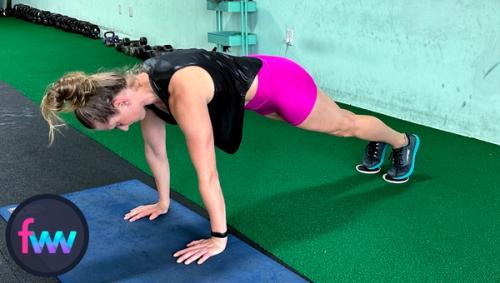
232, 77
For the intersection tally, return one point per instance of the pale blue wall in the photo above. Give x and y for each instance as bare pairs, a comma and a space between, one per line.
180, 23
423, 61
429, 62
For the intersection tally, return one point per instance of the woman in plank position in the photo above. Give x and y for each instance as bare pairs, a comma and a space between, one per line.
206, 94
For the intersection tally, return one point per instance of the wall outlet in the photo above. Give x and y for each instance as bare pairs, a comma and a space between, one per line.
119, 9
289, 37
130, 12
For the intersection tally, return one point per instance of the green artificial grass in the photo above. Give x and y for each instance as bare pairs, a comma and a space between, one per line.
297, 194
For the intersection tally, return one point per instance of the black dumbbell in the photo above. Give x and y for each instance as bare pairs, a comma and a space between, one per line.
139, 51
141, 41
126, 43
59, 21
163, 48
151, 53
142, 52
125, 49
158, 48
95, 31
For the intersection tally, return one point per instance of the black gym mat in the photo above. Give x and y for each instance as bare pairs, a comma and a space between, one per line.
29, 167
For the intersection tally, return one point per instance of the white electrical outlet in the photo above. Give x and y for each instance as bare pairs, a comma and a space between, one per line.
130, 12
289, 37
119, 9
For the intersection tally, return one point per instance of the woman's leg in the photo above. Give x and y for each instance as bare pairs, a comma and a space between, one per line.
327, 117
288, 92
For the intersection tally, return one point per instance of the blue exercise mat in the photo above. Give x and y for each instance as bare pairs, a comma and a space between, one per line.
142, 251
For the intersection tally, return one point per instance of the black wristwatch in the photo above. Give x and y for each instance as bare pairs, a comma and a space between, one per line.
219, 235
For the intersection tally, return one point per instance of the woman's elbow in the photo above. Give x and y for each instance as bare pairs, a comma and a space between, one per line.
209, 178
153, 153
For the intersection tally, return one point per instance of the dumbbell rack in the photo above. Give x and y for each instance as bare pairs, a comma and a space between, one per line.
233, 38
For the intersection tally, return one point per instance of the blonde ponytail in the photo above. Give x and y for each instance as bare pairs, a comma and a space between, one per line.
89, 96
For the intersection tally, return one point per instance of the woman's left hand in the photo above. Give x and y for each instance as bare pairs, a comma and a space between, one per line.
201, 250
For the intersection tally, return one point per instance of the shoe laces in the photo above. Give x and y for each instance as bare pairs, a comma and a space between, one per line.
373, 149
397, 157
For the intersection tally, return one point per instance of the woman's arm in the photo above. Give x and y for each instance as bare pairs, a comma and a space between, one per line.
153, 132
188, 104
191, 113
154, 136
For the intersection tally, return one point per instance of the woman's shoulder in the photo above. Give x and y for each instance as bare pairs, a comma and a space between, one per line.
174, 60
191, 78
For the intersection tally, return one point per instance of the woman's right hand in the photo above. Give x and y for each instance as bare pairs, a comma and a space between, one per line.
151, 210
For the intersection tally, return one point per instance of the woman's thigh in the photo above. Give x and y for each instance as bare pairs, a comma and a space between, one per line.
326, 116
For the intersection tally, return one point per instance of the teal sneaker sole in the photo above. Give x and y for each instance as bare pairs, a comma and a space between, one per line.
363, 169
391, 180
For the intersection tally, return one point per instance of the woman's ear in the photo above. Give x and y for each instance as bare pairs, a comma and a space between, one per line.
121, 100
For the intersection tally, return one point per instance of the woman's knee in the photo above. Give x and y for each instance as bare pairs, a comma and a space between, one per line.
346, 125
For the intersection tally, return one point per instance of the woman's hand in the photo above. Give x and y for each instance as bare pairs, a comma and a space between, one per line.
201, 250
151, 210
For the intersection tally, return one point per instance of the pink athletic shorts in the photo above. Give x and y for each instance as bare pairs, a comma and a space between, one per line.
285, 88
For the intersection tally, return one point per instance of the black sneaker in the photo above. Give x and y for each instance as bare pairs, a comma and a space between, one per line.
403, 161
373, 158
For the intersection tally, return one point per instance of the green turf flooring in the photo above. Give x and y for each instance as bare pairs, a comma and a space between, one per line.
297, 194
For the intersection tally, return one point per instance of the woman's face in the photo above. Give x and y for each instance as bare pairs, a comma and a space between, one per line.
128, 111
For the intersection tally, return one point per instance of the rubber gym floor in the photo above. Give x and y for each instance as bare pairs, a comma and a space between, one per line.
294, 193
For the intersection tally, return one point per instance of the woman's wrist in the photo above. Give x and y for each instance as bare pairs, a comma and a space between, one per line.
221, 235
164, 200
164, 203
222, 241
